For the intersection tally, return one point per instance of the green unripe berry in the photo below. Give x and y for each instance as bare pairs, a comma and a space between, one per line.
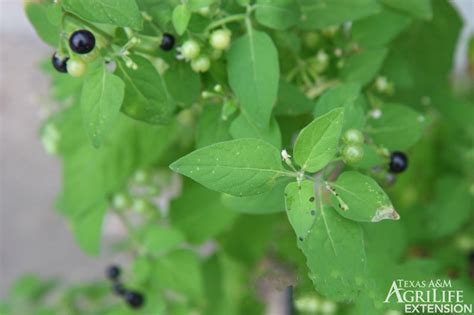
121, 201
352, 153
141, 177
142, 205
353, 136
201, 64
76, 67
190, 49
220, 39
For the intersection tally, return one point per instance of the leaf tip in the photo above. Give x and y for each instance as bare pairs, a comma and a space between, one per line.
385, 213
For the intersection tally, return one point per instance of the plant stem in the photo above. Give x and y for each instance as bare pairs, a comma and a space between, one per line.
227, 19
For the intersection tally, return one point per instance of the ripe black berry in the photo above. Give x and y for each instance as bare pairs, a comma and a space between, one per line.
134, 299
59, 64
118, 289
113, 272
398, 162
82, 41
167, 42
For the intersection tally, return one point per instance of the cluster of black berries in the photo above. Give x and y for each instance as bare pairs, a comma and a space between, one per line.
398, 162
134, 299
82, 42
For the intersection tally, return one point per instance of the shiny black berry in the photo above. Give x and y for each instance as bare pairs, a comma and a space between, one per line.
398, 162
167, 42
113, 272
59, 64
82, 41
134, 299
118, 289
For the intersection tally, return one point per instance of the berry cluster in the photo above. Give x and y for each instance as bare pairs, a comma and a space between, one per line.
352, 151
81, 42
133, 298
192, 51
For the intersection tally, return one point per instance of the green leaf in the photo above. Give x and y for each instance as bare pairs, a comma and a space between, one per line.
322, 13
159, 240
398, 128
277, 14
180, 74
358, 197
450, 209
123, 13
419, 9
180, 271
211, 116
240, 167
181, 17
291, 101
301, 207
348, 96
48, 29
364, 66
268, 202
335, 255
101, 98
253, 71
316, 144
147, 97
379, 29
242, 127
199, 213
87, 227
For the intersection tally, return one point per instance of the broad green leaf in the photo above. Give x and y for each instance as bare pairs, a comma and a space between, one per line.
199, 213
358, 197
181, 17
147, 97
142, 268
335, 255
398, 128
370, 159
159, 239
413, 66
211, 116
420, 8
253, 72
379, 29
101, 98
301, 207
87, 227
291, 101
179, 75
322, 13
268, 202
180, 271
240, 167
364, 66
242, 127
124, 13
249, 238
48, 29
316, 144
277, 14
195, 5
450, 209
347, 96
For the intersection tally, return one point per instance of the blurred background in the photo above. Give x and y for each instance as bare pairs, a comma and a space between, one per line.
33, 238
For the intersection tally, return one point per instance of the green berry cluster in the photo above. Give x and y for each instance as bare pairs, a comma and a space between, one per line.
352, 152
199, 57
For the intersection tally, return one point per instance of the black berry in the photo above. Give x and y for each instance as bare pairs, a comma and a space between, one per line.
82, 41
167, 42
59, 64
118, 289
113, 272
134, 299
398, 162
